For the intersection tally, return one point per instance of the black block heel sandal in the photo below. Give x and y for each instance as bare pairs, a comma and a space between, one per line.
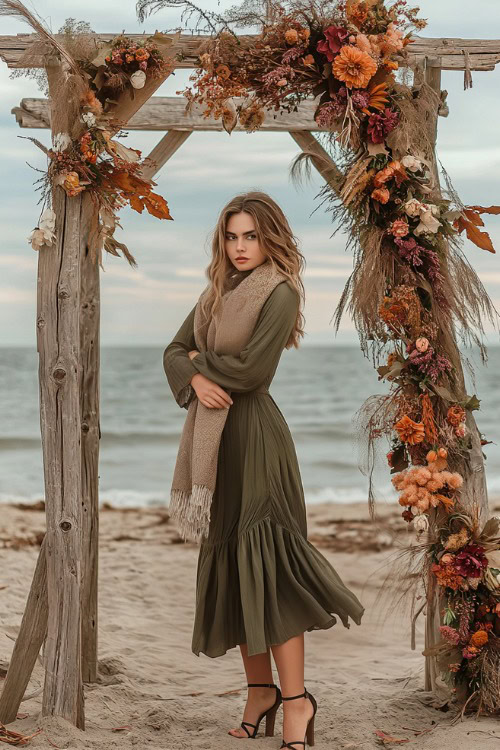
309, 735
269, 713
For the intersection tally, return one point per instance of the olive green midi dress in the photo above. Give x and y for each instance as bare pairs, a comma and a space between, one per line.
259, 580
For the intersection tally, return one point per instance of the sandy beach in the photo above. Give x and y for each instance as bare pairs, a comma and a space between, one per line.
154, 692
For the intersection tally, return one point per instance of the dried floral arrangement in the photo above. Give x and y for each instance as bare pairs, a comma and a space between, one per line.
85, 155
411, 288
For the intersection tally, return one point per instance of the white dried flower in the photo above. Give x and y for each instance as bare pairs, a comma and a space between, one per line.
411, 163
43, 234
138, 79
412, 207
428, 222
420, 524
89, 119
61, 142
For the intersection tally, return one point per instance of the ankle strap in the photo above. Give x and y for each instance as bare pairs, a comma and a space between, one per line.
292, 697
260, 684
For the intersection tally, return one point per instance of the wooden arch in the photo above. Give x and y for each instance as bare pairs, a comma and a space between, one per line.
61, 609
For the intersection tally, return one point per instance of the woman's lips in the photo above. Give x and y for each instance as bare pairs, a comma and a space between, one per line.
241, 260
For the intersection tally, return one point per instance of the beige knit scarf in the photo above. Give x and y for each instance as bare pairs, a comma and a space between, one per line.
227, 332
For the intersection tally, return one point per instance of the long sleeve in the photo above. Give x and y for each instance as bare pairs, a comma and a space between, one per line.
177, 365
260, 357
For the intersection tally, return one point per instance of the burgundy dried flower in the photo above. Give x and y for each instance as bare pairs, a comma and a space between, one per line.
335, 37
329, 112
292, 54
410, 250
471, 560
360, 98
430, 363
380, 125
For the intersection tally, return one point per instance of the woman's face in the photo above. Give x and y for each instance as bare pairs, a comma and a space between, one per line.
241, 241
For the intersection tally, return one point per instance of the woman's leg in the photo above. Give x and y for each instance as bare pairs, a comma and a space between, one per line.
257, 669
289, 658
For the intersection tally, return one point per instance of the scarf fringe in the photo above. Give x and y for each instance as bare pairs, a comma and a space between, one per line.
190, 511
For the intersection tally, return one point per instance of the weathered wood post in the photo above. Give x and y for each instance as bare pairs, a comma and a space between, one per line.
473, 493
90, 436
58, 334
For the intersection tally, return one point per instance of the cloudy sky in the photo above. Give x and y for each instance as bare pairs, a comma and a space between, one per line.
146, 305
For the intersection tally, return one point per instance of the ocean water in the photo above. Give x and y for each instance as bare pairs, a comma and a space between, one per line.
318, 389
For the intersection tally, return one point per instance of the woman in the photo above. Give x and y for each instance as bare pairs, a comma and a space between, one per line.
260, 583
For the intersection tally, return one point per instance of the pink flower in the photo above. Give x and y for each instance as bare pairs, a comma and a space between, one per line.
422, 344
399, 228
450, 634
335, 38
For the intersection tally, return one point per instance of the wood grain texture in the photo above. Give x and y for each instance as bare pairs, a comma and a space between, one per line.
90, 436
484, 53
28, 642
168, 113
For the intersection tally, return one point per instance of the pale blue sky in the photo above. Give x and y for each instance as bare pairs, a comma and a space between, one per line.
146, 305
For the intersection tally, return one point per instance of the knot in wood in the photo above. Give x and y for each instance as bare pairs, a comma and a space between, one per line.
65, 525
59, 374
85, 427
63, 293
40, 322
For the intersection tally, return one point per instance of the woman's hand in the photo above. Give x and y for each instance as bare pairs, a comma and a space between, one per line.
209, 393
193, 353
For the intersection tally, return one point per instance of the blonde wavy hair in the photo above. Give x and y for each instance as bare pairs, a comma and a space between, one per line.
277, 242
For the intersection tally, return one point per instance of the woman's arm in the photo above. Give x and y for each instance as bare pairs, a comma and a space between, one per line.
177, 364
251, 368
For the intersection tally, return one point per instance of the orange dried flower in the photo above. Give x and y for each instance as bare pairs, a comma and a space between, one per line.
141, 54
399, 228
447, 576
391, 358
308, 60
479, 638
90, 100
72, 185
383, 176
354, 67
223, 71
455, 415
357, 13
381, 195
291, 36
378, 97
410, 431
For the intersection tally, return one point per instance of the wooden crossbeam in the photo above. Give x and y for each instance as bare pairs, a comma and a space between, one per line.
168, 113
163, 150
484, 54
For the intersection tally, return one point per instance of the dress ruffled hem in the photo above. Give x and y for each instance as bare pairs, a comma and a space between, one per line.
283, 584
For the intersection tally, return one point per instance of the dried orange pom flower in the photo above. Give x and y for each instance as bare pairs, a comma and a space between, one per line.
354, 67
479, 638
291, 36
